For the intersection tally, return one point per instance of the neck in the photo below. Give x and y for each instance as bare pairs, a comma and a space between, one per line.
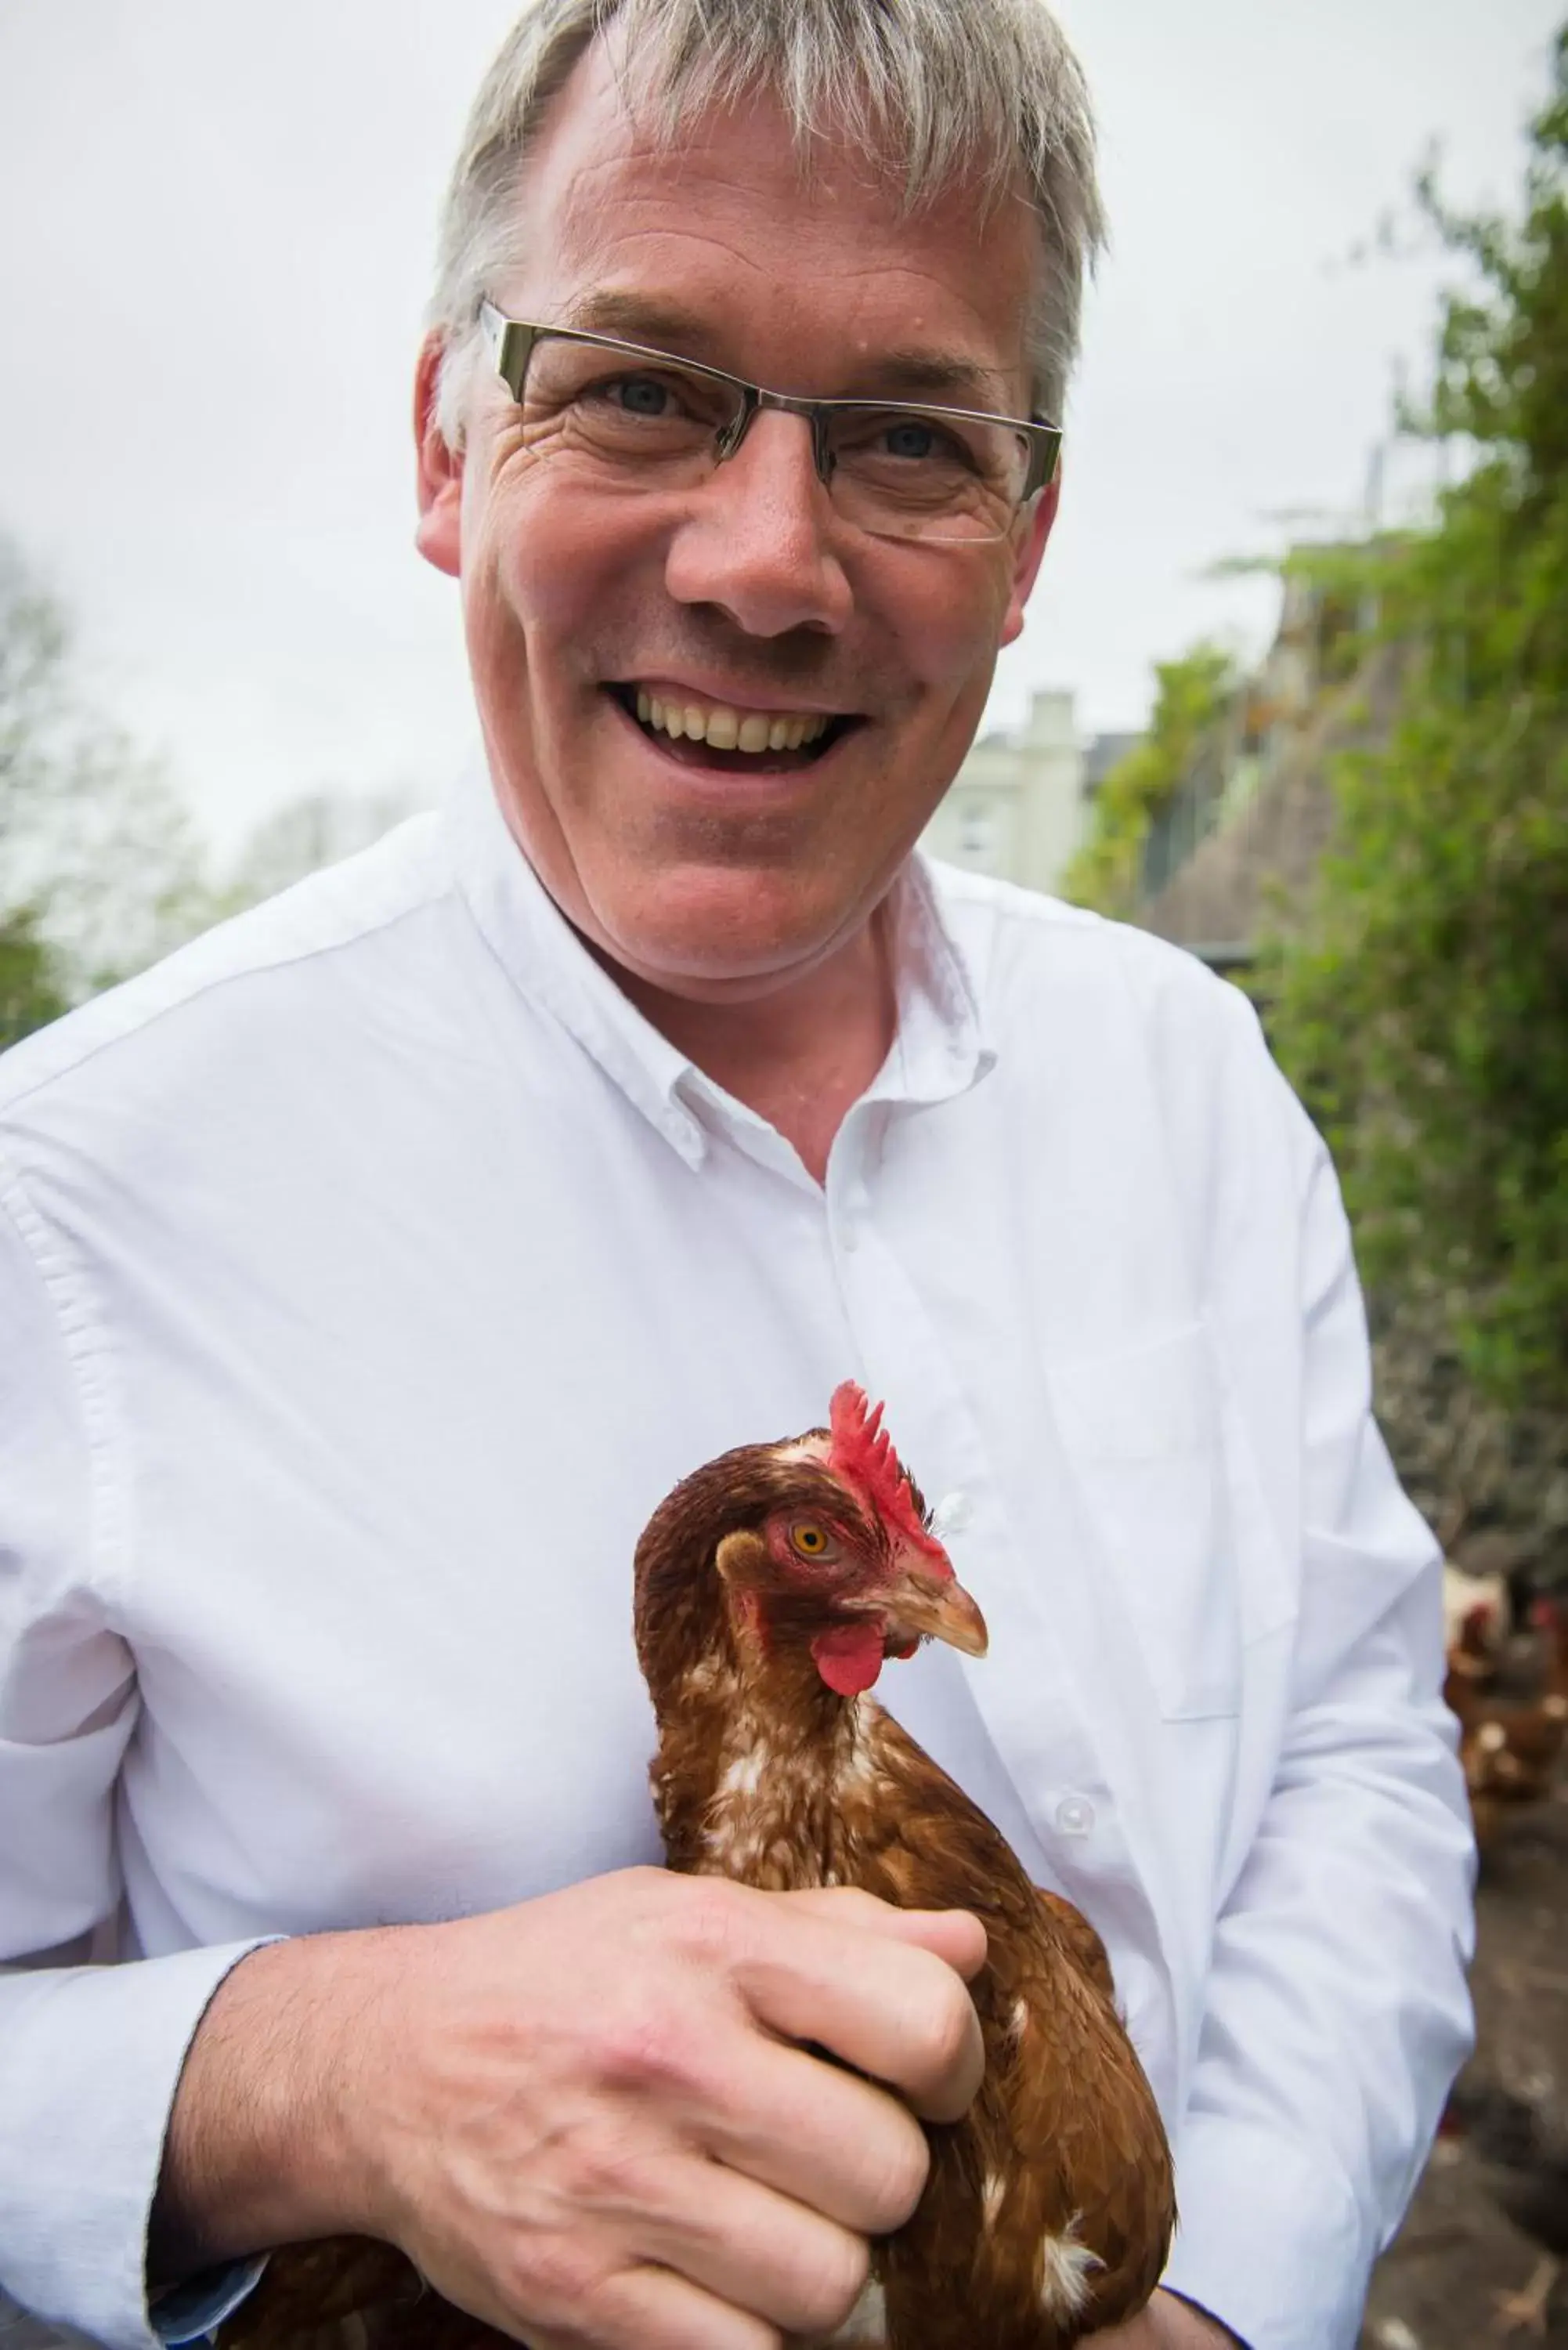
751, 1754
800, 1056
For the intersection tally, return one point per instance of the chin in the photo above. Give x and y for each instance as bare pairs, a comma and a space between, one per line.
726, 932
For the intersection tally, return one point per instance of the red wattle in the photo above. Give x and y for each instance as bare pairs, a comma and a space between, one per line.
849, 1658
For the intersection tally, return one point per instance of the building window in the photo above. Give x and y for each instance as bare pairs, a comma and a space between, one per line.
977, 831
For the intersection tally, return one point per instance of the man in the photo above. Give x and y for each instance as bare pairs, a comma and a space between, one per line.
370, 1270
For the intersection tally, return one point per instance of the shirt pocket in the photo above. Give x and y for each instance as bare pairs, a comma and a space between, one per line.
1141, 1431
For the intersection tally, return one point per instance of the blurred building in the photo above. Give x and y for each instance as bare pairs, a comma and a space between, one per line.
1235, 849
1017, 808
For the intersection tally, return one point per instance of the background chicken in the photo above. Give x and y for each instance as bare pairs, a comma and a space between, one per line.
1477, 1615
770, 1588
1510, 1746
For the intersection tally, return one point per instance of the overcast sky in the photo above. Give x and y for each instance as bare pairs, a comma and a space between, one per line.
217, 229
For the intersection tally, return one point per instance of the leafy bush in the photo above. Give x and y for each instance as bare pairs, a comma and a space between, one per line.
1192, 696
1423, 1005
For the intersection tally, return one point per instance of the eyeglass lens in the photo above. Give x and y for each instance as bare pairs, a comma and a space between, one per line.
898, 472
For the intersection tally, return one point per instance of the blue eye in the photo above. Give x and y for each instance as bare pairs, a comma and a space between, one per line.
641, 395
911, 440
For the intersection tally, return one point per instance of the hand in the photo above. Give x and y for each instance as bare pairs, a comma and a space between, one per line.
590, 2120
1169, 2324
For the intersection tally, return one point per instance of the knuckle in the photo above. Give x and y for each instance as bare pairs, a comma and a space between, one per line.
898, 2178
712, 1920
647, 2046
555, 2277
612, 2171
836, 2280
949, 2033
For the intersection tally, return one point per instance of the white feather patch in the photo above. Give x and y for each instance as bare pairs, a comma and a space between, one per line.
744, 1775
1065, 2268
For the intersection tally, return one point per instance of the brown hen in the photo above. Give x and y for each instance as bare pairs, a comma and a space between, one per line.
771, 1587
1512, 1748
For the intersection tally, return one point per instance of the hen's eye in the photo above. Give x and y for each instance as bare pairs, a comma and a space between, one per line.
809, 1540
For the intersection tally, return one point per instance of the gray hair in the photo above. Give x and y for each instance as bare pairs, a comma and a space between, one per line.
932, 90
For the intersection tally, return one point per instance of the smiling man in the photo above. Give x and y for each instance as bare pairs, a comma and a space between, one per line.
370, 1270
728, 658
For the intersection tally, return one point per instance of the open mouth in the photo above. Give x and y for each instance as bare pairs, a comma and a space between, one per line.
701, 734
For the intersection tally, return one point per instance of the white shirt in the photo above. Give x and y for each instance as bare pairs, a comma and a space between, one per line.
370, 1270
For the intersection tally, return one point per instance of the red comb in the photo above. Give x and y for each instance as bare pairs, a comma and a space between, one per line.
862, 1451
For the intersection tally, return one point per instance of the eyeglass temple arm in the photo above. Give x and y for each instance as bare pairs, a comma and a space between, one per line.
510, 345
1044, 450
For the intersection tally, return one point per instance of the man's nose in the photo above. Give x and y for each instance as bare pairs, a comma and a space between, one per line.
760, 538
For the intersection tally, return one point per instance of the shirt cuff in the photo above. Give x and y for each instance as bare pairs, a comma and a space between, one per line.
90, 2058
1269, 2242
194, 2311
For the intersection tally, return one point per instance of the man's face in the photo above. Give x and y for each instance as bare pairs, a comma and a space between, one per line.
709, 874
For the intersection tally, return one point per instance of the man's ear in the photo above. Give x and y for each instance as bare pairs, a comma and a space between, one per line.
438, 535
1029, 554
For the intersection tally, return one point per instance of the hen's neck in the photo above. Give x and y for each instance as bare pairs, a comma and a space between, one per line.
754, 1756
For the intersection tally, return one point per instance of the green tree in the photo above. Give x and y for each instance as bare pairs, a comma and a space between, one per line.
1422, 1005
101, 872
31, 994
1192, 696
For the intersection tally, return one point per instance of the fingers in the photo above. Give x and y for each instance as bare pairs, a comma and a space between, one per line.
842, 2146
720, 2074
637, 2220
901, 2016
653, 2309
738, 2239
955, 1936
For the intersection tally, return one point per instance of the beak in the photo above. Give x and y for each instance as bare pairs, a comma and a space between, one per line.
936, 1606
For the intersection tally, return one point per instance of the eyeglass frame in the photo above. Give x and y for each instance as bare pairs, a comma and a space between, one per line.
511, 342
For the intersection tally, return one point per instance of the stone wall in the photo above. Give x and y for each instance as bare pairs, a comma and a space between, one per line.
1261, 862
1492, 1484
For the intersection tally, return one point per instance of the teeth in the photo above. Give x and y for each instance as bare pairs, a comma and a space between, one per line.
727, 729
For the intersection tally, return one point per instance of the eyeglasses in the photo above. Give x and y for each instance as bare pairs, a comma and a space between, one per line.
621, 414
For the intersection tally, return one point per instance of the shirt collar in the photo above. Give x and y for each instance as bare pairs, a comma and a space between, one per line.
938, 1052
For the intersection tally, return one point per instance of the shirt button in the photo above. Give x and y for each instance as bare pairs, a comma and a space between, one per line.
1075, 1815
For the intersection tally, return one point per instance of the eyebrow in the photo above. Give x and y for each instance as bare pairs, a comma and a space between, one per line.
909, 372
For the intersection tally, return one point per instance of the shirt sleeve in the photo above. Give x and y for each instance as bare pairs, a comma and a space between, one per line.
89, 2055
1337, 2012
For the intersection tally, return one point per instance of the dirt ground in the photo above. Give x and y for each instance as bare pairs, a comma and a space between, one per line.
1436, 2286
